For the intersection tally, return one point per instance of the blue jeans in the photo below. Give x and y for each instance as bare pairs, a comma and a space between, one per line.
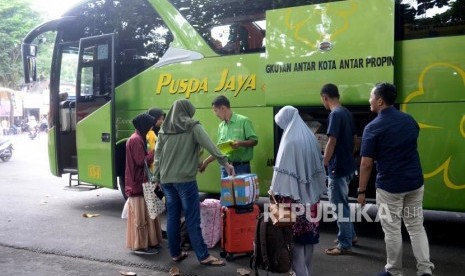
338, 193
239, 169
184, 197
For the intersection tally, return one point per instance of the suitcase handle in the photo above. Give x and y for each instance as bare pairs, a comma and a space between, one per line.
242, 209
233, 190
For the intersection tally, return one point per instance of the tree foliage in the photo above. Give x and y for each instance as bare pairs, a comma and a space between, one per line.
424, 5
17, 20
455, 13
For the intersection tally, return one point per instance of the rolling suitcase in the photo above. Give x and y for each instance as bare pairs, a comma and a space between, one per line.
238, 230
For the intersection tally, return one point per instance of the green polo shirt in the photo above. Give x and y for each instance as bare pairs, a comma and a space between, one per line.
238, 128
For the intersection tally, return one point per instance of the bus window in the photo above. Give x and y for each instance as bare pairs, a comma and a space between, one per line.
237, 38
87, 81
141, 35
69, 61
421, 20
95, 74
234, 26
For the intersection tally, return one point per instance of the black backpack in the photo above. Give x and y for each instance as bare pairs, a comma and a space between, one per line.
273, 247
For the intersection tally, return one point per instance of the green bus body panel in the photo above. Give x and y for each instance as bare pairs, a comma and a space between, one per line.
442, 150
52, 151
431, 79
431, 70
95, 160
361, 34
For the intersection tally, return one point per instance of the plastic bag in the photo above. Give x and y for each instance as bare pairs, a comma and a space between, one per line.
124, 213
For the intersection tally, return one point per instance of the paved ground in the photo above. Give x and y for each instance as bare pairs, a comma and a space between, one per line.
25, 262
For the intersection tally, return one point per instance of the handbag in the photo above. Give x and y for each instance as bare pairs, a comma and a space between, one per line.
155, 205
281, 214
159, 192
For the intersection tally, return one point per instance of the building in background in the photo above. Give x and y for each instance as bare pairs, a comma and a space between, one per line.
17, 107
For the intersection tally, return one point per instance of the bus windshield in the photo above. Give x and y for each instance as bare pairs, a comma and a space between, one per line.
68, 70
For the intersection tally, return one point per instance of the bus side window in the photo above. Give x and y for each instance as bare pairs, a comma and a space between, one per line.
237, 38
233, 44
243, 39
255, 38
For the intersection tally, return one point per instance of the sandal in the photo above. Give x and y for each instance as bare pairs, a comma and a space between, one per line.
181, 257
354, 241
336, 251
212, 261
174, 271
243, 271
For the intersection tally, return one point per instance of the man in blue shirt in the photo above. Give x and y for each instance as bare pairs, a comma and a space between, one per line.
338, 158
391, 140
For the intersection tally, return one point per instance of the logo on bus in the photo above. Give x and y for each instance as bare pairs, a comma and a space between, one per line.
95, 172
326, 46
188, 86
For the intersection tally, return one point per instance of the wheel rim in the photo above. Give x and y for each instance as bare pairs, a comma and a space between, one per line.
7, 155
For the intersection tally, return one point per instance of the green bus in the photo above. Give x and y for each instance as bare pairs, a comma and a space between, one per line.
113, 59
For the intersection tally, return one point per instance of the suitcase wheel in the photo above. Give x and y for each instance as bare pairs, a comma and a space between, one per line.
230, 258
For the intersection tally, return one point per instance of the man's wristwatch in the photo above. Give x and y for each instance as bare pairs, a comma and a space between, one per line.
360, 192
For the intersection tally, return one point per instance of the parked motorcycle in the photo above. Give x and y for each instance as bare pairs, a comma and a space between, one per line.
43, 127
6, 149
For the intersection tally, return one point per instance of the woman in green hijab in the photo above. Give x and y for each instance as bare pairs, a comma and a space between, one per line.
176, 165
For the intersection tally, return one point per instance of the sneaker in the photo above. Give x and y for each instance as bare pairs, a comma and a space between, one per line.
156, 247
150, 251
385, 273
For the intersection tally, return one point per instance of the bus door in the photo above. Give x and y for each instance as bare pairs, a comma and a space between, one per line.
94, 111
62, 132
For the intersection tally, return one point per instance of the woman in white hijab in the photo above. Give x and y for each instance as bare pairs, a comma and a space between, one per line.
299, 177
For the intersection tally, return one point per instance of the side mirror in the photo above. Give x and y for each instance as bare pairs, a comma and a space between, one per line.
29, 53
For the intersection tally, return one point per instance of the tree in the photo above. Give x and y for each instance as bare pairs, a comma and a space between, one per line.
413, 14
17, 19
424, 5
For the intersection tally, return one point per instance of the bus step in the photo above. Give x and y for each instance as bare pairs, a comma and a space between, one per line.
74, 177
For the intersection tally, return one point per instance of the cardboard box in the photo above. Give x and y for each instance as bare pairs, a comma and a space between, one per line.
239, 190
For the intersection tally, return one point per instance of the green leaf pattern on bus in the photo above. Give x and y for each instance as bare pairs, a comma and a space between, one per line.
440, 84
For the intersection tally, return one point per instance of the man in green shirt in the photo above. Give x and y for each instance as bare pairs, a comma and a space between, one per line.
237, 133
